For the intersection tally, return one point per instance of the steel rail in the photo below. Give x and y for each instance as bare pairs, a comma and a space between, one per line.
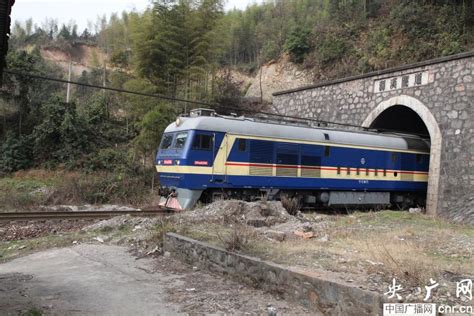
29, 216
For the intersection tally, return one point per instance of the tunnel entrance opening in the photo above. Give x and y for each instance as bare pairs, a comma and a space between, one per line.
408, 115
400, 118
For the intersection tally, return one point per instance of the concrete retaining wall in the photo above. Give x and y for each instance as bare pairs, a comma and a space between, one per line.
310, 289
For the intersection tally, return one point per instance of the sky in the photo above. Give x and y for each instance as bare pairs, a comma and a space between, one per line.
83, 11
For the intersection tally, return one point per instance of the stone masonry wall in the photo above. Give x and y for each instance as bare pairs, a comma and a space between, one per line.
313, 291
448, 93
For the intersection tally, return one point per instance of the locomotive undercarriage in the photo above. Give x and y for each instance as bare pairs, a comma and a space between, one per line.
320, 199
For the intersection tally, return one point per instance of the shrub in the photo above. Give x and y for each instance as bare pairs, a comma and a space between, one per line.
15, 154
110, 159
331, 48
297, 44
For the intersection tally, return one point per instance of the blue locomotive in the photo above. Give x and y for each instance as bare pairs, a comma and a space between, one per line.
205, 156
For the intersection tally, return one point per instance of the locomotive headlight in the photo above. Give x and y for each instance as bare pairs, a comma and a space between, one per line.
178, 121
178, 162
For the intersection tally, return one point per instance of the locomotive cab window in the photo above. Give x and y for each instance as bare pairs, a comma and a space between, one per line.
167, 141
242, 144
180, 140
202, 142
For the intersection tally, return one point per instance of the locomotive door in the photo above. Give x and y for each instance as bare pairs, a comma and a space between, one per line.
220, 154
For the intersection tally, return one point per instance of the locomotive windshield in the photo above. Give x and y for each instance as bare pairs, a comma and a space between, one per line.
167, 141
180, 140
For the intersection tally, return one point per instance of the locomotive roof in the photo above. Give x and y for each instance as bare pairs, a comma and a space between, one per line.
250, 127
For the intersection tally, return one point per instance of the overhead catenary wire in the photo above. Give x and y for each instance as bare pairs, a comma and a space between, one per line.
201, 103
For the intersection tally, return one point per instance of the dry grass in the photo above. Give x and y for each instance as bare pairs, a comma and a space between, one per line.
291, 204
30, 189
237, 239
411, 247
403, 260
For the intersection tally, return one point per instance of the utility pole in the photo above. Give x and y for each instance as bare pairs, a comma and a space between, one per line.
104, 83
68, 92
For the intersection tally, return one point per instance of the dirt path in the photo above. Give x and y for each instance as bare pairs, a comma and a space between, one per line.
107, 280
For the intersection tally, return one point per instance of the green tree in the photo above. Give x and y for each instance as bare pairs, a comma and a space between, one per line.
120, 59
62, 135
24, 93
151, 129
64, 33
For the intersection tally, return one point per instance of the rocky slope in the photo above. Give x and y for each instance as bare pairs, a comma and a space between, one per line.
83, 57
276, 76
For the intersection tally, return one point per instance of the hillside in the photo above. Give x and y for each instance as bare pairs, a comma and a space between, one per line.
194, 50
276, 75
83, 57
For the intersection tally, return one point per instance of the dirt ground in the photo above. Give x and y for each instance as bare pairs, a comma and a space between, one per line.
106, 280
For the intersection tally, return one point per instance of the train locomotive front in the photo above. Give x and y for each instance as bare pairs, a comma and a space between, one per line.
206, 156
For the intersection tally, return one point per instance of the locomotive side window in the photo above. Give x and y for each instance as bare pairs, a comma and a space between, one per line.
242, 144
202, 142
366, 171
376, 172
384, 172
348, 170
206, 142
358, 171
167, 141
338, 170
327, 151
180, 140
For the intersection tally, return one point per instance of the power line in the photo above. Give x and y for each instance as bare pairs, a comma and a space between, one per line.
159, 96
164, 97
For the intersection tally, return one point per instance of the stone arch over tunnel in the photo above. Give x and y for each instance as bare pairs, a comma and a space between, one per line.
418, 119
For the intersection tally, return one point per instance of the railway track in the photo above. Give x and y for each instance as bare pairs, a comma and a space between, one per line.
35, 216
